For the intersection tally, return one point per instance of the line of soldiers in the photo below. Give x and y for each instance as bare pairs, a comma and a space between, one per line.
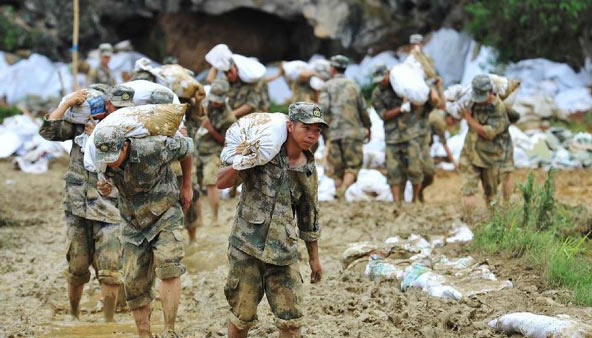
131, 220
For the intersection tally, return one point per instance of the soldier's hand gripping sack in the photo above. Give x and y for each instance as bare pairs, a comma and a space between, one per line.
94, 106
254, 140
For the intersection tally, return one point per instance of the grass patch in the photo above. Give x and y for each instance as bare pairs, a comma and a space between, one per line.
278, 108
546, 235
7, 111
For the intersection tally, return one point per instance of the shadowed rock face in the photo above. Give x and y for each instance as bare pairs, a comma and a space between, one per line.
268, 29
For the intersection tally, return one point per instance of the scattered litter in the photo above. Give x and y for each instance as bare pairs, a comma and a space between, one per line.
460, 233
538, 326
377, 270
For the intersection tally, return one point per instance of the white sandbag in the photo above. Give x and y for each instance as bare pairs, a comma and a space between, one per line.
379, 270
144, 64
254, 140
407, 80
499, 83
316, 83
292, 69
371, 185
93, 105
538, 326
249, 69
220, 57
180, 80
143, 91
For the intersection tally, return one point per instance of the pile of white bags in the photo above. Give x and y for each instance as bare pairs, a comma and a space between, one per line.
254, 140
143, 91
408, 81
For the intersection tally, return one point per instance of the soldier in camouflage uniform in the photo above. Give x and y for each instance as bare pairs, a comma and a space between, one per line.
245, 98
263, 244
209, 144
403, 151
152, 218
92, 219
349, 124
102, 74
483, 150
506, 167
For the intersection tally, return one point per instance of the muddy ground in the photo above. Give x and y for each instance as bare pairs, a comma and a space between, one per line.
33, 300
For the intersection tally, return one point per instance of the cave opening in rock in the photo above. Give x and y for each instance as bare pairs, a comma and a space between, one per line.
189, 36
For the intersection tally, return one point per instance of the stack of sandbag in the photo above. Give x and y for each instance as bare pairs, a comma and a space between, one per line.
180, 80
137, 121
220, 57
93, 106
249, 69
146, 92
254, 140
408, 81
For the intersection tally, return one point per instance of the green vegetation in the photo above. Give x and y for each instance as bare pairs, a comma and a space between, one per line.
276, 107
7, 111
522, 29
546, 235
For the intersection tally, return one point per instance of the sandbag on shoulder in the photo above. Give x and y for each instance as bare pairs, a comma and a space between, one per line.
249, 69
180, 80
254, 140
94, 106
407, 80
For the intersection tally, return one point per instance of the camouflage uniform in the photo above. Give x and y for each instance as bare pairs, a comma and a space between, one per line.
403, 150
480, 158
152, 218
101, 75
345, 111
192, 123
208, 163
265, 99
263, 244
92, 219
301, 91
425, 139
241, 93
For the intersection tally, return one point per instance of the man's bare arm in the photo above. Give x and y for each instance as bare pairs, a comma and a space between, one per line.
226, 177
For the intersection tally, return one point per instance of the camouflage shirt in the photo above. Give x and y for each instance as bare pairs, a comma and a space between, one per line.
400, 128
241, 93
81, 197
148, 191
437, 125
272, 196
101, 75
344, 108
480, 151
265, 103
301, 92
221, 119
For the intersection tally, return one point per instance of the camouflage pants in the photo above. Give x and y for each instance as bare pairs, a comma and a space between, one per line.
207, 169
471, 175
344, 156
92, 243
160, 257
508, 164
427, 162
403, 161
249, 279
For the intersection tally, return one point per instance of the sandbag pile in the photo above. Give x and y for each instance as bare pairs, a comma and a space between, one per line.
254, 140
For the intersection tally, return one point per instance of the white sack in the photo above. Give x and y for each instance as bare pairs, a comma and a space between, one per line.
292, 69
249, 69
220, 57
538, 326
316, 83
80, 114
407, 80
143, 91
254, 140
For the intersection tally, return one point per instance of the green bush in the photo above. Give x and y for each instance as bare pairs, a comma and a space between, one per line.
522, 29
7, 112
544, 233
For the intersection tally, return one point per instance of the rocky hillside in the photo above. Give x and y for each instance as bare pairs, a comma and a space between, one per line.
269, 29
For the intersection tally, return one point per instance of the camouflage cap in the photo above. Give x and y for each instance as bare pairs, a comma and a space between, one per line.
339, 61
306, 112
121, 96
161, 96
106, 49
481, 88
378, 72
416, 39
218, 90
108, 143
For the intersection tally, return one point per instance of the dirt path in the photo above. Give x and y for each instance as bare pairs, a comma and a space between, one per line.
33, 299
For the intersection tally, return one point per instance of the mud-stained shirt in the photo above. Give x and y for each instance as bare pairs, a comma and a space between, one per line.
221, 119
480, 151
147, 186
344, 108
401, 128
81, 197
101, 75
241, 93
274, 202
